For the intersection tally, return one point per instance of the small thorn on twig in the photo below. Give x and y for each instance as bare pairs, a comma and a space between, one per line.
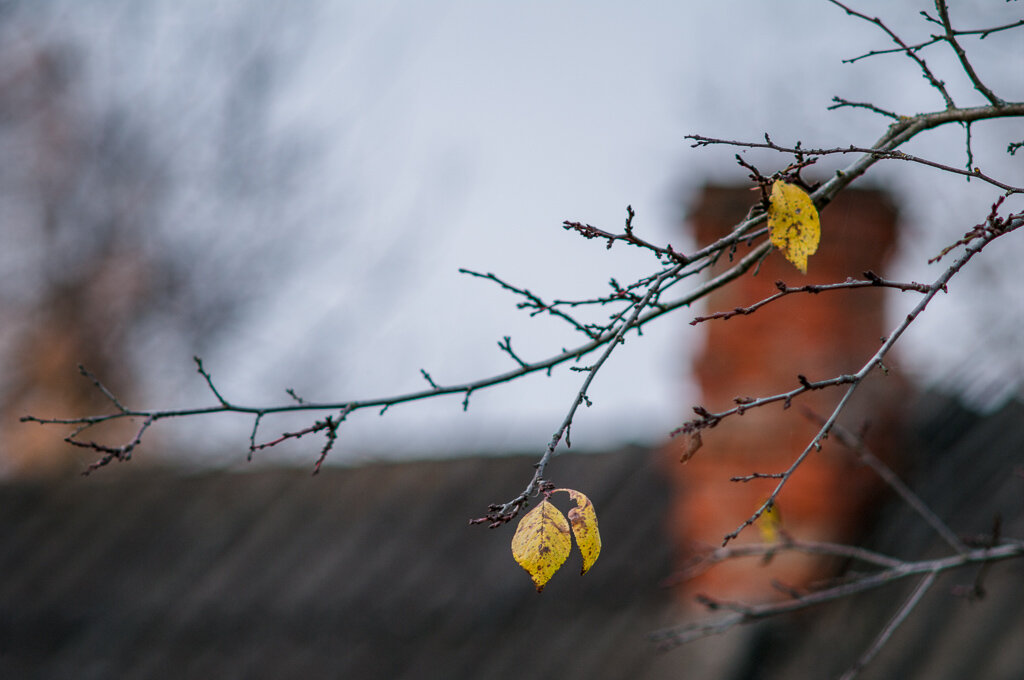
426, 376
209, 382
102, 388
505, 345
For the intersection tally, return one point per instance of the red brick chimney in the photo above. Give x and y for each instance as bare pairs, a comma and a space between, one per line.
819, 336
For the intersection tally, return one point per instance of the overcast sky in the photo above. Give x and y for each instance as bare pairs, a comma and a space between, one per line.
431, 136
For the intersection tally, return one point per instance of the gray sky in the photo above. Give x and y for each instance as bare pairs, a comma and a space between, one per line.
432, 136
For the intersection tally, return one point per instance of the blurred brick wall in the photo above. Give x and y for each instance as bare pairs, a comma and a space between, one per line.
819, 336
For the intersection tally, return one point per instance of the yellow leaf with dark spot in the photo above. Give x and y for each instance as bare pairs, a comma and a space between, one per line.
793, 223
541, 543
584, 527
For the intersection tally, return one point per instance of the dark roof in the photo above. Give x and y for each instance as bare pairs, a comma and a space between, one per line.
374, 573
360, 573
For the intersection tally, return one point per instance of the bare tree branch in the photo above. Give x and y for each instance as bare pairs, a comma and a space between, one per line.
922, 587
982, 33
910, 52
742, 614
885, 148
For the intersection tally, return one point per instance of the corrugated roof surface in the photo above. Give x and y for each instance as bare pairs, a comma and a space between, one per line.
374, 573
360, 573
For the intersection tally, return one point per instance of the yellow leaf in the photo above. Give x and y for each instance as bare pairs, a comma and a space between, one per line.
793, 223
541, 543
584, 527
770, 524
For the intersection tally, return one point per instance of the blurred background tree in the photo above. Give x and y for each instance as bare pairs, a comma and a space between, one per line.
123, 248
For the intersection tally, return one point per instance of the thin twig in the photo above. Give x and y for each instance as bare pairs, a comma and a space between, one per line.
883, 637
506, 346
102, 388
209, 382
532, 301
705, 560
588, 231
707, 419
982, 33
843, 103
892, 480
950, 37
252, 435
873, 280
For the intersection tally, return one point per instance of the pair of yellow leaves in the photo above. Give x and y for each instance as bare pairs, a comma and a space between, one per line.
542, 544
793, 223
